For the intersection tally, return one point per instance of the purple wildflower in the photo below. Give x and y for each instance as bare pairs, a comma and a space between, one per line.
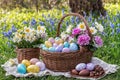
75, 31
98, 41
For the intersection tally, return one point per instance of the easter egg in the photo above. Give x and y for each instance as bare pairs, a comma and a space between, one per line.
59, 41
26, 62
66, 44
80, 66
73, 47
42, 46
21, 68
48, 44
66, 49
55, 45
33, 69
41, 65
52, 49
45, 48
84, 72
90, 66
34, 60
59, 48
52, 40
57, 38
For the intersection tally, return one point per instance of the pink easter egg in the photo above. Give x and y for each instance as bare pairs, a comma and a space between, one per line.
52, 40
41, 65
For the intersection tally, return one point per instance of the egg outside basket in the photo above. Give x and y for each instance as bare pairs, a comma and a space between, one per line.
63, 62
27, 53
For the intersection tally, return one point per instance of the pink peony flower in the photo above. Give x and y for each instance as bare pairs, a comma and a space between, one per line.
83, 39
98, 41
75, 31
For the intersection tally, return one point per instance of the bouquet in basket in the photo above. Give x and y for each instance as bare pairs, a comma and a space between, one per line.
80, 35
27, 37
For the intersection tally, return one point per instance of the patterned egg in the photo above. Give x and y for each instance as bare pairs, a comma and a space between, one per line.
73, 47
48, 44
34, 60
80, 66
52, 49
52, 40
26, 62
55, 45
41, 65
66, 49
90, 66
59, 41
21, 68
66, 44
45, 48
33, 69
59, 48
57, 38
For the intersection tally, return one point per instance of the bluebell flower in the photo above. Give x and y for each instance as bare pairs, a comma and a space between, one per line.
33, 22
67, 23
93, 24
5, 34
13, 28
111, 25
114, 19
9, 33
25, 22
89, 19
52, 22
77, 20
84, 13
118, 30
41, 23
72, 20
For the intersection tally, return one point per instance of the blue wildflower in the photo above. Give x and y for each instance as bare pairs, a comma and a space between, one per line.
118, 30
41, 23
13, 28
93, 24
111, 25
5, 34
84, 13
24, 22
72, 20
77, 20
89, 19
52, 22
67, 23
33, 22
9, 33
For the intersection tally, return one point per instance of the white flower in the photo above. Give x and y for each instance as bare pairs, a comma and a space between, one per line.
18, 35
27, 30
69, 28
81, 26
99, 26
64, 36
43, 29
93, 30
16, 39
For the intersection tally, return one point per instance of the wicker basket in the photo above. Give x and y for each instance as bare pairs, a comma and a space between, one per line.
27, 53
66, 61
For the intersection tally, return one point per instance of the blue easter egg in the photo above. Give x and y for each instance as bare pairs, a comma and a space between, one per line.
73, 47
43, 45
45, 48
59, 48
66, 44
55, 45
21, 68
90, 66
52, 49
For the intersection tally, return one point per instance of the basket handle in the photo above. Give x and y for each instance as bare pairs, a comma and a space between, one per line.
80, 17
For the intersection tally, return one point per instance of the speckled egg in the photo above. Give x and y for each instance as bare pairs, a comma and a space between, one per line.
66, 44
52, 40
34, 60
26, 62
48, 44
55, 45
33, 69
80, 66
90, 66
41, 65
59, 48
73, 47
52, 49
21, 68
66, 50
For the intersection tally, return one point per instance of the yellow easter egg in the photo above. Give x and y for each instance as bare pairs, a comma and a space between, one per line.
48, 44
33, 69
26, 62
59, 41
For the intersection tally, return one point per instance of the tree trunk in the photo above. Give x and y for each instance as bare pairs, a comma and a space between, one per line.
81, 6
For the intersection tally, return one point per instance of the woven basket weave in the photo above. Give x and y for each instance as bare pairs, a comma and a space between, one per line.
27, 53
66, 61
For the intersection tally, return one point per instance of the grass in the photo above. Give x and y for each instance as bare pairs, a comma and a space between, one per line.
109, 52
